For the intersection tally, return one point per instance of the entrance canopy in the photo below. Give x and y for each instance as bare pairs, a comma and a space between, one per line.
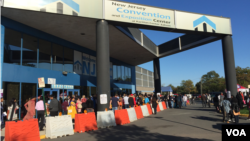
75, 21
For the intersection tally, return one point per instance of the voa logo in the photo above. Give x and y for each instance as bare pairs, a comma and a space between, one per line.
236, 132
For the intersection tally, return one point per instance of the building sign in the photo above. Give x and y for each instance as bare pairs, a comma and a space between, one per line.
68, 7
41, 82
202, 23
139, 14
86, 64
52, 81
62, 86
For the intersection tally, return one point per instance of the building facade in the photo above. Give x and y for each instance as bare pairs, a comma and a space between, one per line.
144, 80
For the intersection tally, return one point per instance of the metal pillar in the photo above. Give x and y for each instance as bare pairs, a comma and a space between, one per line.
229, 65
102, 63
157, 76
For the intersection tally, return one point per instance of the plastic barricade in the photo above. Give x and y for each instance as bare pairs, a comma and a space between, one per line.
157, 108
85, 122
164, 105
131, 114
138, 112
149, 109
121, 117
160, 106
105, 119
144, 109
26, 130
59, 126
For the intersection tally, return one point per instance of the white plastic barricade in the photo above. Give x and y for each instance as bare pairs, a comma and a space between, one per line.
144, 109
59, 126
105, 119
132, 114
160, 106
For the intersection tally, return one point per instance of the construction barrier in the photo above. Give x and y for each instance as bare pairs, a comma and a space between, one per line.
59, 126
138, 112
85, 122
164, 105
131, 114
26, 130
121, 117
144, 109
149, 109
105, 119
157, 108
160, 106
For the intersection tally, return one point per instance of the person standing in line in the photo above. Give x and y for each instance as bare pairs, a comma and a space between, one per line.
126, 103
235, 109
185, 100
30, 107
208, 100
146, 100
154, 104
115, 102
84, 106
12, 110
89, 105
134, 98
40, 112
140, 100
64, 106
54, 106
203, 98
171, 101
120, 103
1, 114
131, 101
179, 99
78, 105
216, 103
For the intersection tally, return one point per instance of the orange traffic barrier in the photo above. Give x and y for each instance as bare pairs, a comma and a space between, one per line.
158, 108
85, 122
121, 117
138, 112
149, 109
164, 105
26, 130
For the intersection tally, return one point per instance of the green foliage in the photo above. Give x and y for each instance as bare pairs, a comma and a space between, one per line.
243, 76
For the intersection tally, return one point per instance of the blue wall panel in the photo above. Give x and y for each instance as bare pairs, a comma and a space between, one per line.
1, 54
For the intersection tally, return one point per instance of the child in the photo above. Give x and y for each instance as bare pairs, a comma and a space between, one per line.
236, 113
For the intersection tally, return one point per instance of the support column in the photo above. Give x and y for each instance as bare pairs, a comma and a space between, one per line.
2, 54
157, 76
102, 63
229, 64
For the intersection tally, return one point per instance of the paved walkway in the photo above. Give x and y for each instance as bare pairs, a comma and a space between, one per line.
187, 124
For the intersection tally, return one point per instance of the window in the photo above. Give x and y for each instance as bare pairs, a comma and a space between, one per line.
68, 59
114, 72
44, 55
29, 51
123, 73
119, 73
12, 47
28, 92
129, 74
57, 57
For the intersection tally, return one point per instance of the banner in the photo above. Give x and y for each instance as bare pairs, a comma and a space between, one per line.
83, 8
139, 14
92, 60
202, 23
85, 64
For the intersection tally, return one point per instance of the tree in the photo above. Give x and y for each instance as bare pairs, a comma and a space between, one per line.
187, 86
243, 76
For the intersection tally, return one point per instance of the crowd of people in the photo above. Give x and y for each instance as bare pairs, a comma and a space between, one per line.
230, 106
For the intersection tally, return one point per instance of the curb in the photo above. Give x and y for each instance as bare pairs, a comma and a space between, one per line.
243, 115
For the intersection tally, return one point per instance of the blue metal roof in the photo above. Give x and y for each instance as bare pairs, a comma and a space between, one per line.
166, 89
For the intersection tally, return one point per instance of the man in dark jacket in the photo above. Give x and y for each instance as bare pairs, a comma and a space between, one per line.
131, 101
240, 100
90, 105
54, 106
179, 98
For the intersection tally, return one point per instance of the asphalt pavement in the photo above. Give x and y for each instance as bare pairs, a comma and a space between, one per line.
192, 123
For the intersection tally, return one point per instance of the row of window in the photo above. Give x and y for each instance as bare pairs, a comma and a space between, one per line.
36, 52
121, 73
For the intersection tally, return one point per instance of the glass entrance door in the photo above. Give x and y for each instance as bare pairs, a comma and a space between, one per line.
75, 92
48, 92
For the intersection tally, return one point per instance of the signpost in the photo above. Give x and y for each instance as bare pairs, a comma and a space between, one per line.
41, 84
